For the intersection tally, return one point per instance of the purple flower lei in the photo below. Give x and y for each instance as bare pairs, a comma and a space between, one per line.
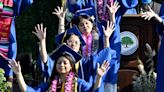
68, 84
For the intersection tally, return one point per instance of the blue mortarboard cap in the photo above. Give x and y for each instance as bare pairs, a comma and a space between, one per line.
87, 11
73, 7
74, 30
65, 49
146, 1
130, 3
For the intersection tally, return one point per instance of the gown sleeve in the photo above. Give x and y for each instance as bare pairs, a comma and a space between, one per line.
13, 43
90, 65
41, 88
84, 86
105, 54
47, 67
115, 39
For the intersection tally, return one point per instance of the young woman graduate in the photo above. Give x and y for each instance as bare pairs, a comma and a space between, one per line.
87, 25
103, 17
64, 77
71, 38
85, 20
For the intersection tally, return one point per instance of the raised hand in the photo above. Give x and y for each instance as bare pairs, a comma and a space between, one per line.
113, 8
59, 12
15, 66
40, 32
109, 29
149, 14
101, 70
17, 70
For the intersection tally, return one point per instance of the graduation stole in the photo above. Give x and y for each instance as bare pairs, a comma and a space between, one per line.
92, 44
6, 13
68, 86
87, 49
102, 9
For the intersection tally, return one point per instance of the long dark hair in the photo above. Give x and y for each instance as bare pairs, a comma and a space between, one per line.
72, 62
76, 21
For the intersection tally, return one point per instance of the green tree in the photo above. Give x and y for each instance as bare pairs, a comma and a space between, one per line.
4, 86
127, 41
39, 12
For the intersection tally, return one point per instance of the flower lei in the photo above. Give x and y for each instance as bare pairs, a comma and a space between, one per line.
68, 87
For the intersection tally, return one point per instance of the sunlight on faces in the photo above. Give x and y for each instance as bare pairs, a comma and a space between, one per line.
74, 43
63, 65
85, 26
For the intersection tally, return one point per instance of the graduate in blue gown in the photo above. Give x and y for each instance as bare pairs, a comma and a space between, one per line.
64, 77
87, 67
115, 40
160, 29
9, 9
82, 18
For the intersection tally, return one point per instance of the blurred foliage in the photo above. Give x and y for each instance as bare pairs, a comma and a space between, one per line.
144, 83
4, 86
39, 12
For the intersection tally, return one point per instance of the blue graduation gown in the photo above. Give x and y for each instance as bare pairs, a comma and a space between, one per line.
115, 40
160, 64
88, 66
83, 86
19, 5
109, 55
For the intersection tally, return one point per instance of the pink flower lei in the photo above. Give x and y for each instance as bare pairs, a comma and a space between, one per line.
68, 84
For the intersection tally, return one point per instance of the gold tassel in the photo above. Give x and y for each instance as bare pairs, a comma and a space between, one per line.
64, 37
75, 84
62, 1
64, 4
77, 66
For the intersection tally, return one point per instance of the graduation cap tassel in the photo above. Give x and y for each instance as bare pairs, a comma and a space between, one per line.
64, 37
64, 2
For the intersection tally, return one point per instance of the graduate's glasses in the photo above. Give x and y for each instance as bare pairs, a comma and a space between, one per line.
73, 42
